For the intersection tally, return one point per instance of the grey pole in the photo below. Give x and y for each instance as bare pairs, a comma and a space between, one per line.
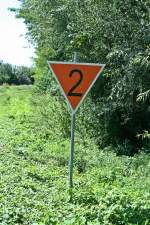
75, 57
71, 151
72, 141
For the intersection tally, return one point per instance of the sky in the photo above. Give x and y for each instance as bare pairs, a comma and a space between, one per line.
14, 47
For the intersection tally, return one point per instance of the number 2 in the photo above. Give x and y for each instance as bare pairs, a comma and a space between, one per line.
71, 93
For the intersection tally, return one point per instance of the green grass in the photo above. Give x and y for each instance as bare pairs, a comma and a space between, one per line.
34, 153
11, 97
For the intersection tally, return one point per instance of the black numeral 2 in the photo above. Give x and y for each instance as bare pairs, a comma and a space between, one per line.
71, 93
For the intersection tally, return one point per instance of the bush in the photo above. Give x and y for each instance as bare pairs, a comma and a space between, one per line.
15, 74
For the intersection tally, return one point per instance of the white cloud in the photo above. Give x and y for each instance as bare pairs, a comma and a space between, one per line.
14, 48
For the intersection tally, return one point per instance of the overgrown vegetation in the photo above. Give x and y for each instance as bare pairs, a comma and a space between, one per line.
112, 32
109, 189
34, 153
15, 74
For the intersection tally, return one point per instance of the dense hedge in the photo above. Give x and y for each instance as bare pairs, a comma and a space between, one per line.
15, 74
112, 32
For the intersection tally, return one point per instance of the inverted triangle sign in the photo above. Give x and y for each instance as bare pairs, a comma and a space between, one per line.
75, 79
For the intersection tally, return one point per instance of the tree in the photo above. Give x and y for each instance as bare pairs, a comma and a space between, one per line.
112, 32
6, 74
15, 74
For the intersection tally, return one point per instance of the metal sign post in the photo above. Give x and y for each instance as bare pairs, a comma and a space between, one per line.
75, 81
71, 150
73, 118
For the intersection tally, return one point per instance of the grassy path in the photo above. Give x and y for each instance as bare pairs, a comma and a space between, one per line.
28, 179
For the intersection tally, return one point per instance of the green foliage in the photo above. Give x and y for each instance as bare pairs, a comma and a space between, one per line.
111, 32
15, 74
34, 153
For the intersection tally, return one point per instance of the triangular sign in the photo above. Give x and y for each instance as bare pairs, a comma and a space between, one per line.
75, 79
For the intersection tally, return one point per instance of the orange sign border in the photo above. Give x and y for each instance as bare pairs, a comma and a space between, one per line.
87, 91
